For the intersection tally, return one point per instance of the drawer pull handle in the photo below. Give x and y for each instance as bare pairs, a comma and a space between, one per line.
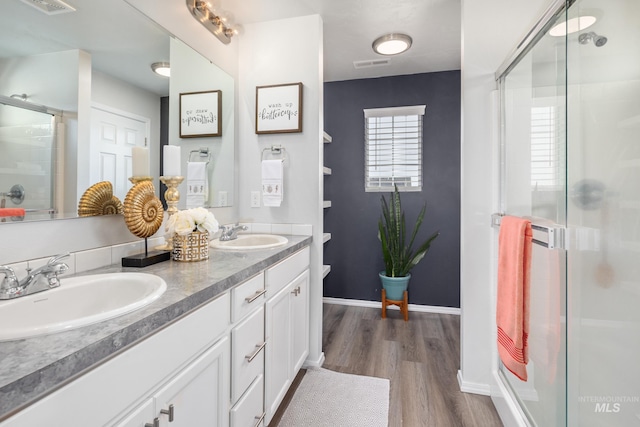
170, 412
156, 423
253, 355
296, 291
255, 296
260, 418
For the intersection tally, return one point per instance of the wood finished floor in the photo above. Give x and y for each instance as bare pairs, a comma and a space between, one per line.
419, 357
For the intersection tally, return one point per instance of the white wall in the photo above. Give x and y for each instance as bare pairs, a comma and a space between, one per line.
490, 30
57, 88
276, 52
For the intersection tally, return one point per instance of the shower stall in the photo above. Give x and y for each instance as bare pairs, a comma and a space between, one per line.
570, 161
29, 157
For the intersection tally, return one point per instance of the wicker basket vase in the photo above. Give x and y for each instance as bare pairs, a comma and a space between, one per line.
192, 247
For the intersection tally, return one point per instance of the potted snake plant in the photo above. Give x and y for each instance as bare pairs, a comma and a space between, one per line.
398, 253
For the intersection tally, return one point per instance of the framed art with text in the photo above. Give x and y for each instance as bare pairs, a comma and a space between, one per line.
200, 114
279, 108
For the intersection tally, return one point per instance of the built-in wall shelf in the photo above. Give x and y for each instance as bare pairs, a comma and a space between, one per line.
325, 270
326, 138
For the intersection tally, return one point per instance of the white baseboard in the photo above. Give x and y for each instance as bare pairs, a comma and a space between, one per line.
475, 388
376, 304
314, 363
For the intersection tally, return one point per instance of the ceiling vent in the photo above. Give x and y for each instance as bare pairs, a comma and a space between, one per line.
371, 63
50, 7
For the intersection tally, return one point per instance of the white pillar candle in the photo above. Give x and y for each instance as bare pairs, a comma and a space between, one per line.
171, 160
140, 166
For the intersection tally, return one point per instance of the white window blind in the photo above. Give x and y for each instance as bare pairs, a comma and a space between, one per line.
393, 148
547, 136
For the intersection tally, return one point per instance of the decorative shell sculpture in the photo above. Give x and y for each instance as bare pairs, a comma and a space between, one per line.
143, 211
99, 200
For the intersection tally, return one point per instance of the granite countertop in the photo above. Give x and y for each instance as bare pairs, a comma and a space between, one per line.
33, 367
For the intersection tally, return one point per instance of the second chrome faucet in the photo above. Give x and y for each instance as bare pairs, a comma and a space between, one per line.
230, 232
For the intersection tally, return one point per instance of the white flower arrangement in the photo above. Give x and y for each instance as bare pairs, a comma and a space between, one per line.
190, 220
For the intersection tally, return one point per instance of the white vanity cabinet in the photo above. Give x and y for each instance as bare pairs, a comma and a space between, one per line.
227, 363
169, 367
287, 326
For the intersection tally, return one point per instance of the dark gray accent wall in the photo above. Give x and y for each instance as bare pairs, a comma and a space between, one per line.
354, 250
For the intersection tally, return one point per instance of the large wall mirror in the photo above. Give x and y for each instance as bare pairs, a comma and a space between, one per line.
77, 93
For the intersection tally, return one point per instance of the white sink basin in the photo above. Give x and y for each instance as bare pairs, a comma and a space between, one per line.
251, 241
79, 301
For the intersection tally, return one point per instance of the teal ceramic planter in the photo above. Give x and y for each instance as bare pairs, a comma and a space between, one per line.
394, 286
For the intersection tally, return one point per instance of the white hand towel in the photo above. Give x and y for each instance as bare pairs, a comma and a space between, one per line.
272, 182
196, 184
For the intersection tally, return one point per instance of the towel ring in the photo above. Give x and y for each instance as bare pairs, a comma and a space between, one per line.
203, 152
275, 150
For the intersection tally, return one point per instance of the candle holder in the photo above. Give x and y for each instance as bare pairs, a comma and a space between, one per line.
136, 179
172, 196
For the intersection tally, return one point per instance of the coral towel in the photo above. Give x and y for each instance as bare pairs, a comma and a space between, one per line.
12, 212
514, 267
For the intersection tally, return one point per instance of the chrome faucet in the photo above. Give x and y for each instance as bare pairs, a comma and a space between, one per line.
230, 232
40, 279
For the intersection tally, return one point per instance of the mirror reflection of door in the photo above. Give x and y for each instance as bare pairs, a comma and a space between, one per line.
113, 135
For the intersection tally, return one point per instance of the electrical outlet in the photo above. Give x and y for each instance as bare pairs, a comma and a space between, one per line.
222, 198
255, 199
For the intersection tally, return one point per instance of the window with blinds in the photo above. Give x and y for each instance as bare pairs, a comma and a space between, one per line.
393, 148
547, 136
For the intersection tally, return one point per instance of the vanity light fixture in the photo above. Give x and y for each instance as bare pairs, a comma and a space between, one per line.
392, 44
217, 24
161, 68
572, 25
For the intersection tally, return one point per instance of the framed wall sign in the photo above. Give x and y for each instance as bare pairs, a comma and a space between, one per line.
279, 108
201, 114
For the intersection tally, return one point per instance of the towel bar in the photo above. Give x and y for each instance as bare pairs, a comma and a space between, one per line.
202, 152
275, 150
555, 232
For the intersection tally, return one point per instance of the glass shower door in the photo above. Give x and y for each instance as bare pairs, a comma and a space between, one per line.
603, 213
27, 144
533, 185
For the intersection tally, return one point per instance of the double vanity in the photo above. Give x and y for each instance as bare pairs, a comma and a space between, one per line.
222, 342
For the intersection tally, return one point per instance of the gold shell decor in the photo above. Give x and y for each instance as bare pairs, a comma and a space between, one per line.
143, 211
99, 200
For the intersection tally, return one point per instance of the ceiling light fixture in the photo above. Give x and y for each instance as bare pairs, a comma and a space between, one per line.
161, 68
573, 25
210, 20
392, 44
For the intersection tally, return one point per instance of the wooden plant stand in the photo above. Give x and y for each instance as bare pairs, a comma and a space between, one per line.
404, 305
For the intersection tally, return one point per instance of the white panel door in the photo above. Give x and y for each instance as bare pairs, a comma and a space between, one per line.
113, 135
300, 322
200, 393
277, 366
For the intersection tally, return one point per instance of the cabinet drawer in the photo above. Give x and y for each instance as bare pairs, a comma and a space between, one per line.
247, 356
249, 411
247, 296
284, 272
